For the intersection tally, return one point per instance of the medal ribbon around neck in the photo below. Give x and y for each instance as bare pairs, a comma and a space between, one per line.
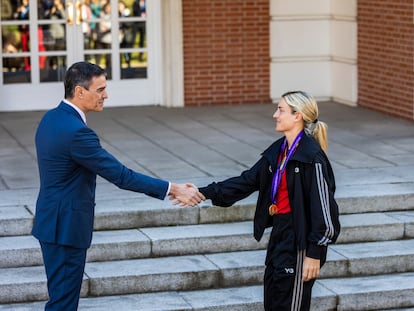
277, 176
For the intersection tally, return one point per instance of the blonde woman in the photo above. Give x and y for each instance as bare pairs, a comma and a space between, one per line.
296, 198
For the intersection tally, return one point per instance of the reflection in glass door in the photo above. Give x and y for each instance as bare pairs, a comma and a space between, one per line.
115, 26
40, 38
15, 40
23, 40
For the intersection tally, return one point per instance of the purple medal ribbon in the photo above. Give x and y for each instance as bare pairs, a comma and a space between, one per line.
277, 177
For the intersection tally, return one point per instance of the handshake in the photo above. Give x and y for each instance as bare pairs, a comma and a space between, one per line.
185, 194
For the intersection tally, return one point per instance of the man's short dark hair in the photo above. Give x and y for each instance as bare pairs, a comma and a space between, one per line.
81, 74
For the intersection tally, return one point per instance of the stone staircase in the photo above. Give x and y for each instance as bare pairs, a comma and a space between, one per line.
150, 255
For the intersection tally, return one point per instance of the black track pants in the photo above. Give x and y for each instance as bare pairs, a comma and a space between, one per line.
283, 286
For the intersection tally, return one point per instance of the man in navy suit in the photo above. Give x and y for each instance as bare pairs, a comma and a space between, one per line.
69, 157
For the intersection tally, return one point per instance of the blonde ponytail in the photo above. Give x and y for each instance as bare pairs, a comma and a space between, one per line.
320, 133
301, 102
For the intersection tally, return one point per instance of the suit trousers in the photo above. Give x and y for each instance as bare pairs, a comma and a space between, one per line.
283, 286
64, 267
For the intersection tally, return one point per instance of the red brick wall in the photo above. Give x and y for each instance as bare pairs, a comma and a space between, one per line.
226, 52
386, 56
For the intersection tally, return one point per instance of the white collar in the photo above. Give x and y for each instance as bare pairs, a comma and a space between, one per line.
81, 113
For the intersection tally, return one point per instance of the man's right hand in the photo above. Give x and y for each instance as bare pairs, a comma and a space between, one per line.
185, 194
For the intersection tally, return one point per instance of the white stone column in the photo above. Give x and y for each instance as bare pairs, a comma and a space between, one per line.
313, 48
344, 42
172, 73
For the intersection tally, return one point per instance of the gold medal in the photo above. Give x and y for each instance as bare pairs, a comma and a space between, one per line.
273, 209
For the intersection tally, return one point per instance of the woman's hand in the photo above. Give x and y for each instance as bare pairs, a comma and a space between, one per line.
311, 268
185, 194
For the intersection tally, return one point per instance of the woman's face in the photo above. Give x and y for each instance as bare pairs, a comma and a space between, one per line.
285, 119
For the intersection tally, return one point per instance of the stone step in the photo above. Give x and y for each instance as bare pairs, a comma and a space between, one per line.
379, 226
373, 292
15, 220
381, 292
140, 212
16, 251
181, 273
146, 242
131, 213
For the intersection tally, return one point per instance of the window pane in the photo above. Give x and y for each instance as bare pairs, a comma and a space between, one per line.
103, 60
21, 9
51, 9
15, 38
8, 9
52, 37
54, 68
133, 65
104, 35
11, 39
12, 64
13, 70
132, 34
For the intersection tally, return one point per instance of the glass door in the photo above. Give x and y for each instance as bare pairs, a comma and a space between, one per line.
41, 38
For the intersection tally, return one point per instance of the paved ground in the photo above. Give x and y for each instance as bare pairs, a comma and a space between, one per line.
372, 154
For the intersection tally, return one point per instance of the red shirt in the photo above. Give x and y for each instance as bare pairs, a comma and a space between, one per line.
283, 204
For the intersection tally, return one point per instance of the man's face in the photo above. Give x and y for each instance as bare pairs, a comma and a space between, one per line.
94, 96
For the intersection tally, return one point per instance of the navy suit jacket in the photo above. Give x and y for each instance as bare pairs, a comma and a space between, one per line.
69, 157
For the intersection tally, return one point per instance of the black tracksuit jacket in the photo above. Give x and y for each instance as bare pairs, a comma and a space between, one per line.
311, 188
